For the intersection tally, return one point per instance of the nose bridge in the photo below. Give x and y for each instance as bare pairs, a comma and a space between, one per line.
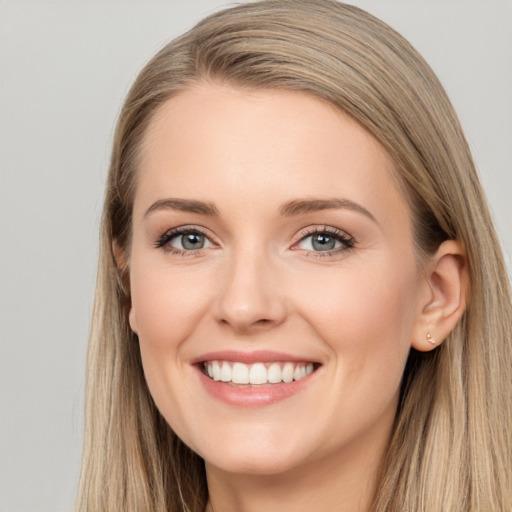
249, 296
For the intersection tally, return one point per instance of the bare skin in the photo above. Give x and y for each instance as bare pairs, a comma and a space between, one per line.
268, 222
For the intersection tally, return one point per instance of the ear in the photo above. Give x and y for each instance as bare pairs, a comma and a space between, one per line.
442, 297
122, 265
119, 256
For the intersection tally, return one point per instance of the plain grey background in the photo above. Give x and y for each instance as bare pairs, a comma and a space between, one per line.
64, 69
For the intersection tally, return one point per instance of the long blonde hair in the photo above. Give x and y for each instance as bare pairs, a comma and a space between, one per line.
451, 445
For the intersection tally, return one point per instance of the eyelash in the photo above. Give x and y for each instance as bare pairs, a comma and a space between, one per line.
347, 241
163, 241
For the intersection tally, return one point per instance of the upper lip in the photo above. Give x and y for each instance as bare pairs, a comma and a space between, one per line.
257, 356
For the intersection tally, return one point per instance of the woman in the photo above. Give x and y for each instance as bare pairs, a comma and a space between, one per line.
301, 301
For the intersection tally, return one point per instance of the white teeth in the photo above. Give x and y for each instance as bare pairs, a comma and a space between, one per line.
239, 374
215, 370
225, 372
288, 372
257, 373
275, 374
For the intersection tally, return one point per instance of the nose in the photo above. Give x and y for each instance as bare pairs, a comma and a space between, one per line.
249, 298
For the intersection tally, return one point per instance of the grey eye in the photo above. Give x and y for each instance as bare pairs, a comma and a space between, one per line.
323, 242
320, 242
189, 241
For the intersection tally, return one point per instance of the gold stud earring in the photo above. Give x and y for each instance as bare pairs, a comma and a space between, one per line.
431, 340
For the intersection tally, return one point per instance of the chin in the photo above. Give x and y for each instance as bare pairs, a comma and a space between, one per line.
256, 455
257, 464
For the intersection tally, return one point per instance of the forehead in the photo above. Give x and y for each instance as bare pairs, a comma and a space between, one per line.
257, 147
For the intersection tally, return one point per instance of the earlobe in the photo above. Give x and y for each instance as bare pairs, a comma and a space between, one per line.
444, 299
132, 320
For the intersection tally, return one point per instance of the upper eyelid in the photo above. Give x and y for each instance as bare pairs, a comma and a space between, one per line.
347, 240
168, 234
187, 228
311, 230
299, 236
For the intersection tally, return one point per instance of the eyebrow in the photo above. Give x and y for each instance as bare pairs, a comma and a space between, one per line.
288, 209
184, 205
300, 206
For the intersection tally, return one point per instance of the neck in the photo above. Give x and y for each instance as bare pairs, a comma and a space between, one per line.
342, 482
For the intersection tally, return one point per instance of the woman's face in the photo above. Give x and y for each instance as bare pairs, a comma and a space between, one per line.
273, 278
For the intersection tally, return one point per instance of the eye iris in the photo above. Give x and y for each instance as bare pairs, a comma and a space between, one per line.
192, 241
323, 242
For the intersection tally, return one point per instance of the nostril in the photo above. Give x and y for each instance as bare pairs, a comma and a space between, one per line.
263, 322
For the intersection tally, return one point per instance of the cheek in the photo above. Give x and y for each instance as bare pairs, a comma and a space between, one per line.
365, 313
166, 304
166, 307
365, 316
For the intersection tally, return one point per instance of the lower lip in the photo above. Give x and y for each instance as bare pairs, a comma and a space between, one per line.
257, 396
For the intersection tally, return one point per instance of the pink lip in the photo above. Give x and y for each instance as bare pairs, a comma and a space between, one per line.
258, 356
252, 396
247, 396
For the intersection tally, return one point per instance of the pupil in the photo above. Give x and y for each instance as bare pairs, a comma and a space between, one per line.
323, 242
192, 241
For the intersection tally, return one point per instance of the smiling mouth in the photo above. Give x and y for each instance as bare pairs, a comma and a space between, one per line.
257, 374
